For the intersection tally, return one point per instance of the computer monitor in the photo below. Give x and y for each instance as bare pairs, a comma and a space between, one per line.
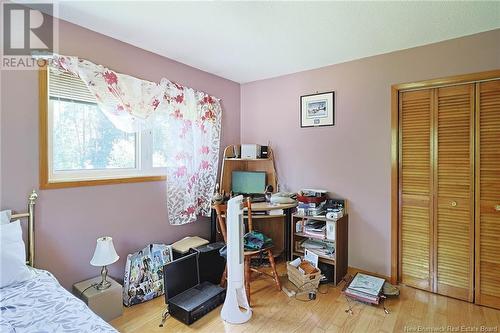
248, 182
180, 275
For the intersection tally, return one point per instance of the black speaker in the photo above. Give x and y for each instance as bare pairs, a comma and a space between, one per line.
264, 152
210, 262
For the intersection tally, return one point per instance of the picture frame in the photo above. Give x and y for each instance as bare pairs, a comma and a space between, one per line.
317, 110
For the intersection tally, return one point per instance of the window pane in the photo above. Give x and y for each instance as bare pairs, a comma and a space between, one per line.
83, 138
160, 143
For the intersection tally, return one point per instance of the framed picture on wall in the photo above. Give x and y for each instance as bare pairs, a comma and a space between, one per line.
317, 110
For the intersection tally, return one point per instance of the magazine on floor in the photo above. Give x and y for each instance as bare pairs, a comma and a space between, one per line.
365, 288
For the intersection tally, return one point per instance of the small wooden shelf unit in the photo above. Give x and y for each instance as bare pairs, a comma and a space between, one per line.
339, 262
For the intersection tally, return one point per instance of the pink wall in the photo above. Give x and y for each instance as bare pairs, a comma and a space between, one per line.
352, 159
70, 220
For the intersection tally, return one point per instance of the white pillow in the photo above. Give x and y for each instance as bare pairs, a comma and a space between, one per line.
13, 267
5, 216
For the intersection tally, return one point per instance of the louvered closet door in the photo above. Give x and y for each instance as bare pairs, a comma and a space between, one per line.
415, 214
488, 194
454, 200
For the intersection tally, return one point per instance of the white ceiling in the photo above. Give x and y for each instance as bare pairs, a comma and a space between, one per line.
248, 41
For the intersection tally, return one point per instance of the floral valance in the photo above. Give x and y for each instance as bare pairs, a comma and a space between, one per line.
194, 122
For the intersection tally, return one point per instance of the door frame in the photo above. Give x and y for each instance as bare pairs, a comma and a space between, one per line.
395, 195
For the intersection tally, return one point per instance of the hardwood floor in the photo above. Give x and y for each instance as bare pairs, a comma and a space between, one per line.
273, 311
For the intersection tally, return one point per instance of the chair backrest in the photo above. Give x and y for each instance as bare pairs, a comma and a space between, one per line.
221, 210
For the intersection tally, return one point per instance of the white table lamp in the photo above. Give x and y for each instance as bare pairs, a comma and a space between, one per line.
104, 254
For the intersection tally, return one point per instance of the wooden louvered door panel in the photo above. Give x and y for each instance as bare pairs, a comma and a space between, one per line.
454, 191
415, 188
488, 193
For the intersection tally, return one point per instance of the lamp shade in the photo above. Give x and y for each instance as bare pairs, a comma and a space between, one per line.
104, 253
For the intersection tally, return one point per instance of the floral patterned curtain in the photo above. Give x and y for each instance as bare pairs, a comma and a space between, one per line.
194, 122
195, 127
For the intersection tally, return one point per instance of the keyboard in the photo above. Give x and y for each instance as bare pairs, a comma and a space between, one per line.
258, 199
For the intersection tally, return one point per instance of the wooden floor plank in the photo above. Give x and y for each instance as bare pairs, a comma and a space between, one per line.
273, 311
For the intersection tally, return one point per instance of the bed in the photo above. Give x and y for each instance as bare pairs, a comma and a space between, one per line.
39, 303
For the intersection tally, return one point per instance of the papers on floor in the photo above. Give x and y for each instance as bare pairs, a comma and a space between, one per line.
365, 288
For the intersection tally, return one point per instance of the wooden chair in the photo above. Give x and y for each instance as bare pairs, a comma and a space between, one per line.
248, 255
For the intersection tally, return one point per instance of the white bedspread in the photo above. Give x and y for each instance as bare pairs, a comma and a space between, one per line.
41, 304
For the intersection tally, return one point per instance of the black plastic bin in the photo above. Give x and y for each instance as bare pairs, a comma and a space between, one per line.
210, 262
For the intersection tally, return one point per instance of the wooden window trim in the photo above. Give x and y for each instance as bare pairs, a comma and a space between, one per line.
395, 89
43, 147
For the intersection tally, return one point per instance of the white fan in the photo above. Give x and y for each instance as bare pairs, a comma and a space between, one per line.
236, 309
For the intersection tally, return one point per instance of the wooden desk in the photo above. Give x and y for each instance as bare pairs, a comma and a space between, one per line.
276, 227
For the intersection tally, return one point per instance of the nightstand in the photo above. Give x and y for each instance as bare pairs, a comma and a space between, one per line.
107, 303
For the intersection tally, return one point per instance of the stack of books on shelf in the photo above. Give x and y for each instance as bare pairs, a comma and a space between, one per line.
322, 248
365, 288
315, 229
311, 208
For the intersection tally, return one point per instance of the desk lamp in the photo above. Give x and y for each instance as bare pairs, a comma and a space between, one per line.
104, 255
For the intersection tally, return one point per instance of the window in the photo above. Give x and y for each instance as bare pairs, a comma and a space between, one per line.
84, 139
83, 145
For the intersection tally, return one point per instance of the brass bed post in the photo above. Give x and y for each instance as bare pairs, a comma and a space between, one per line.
30, 215
31, 228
